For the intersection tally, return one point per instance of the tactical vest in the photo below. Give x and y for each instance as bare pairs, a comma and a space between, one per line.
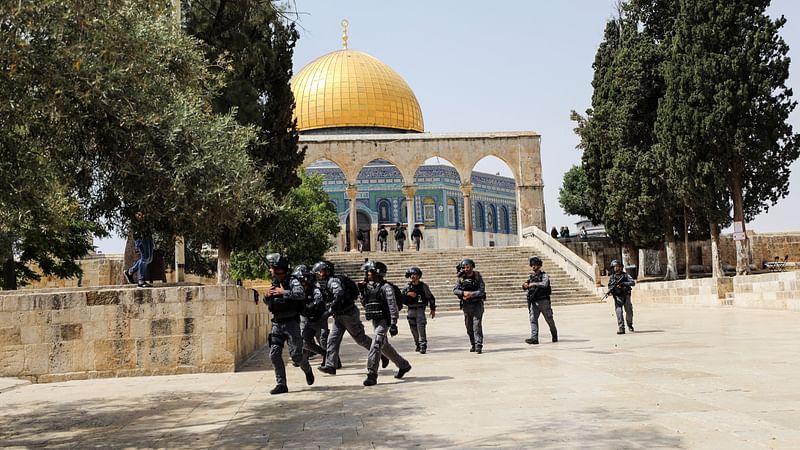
616, 280
470, 284
314, 309
375, 305
346, 301
281, 307
420, 299
538, 293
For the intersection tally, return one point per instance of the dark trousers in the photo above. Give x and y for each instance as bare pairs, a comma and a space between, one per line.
535, 308
473, 321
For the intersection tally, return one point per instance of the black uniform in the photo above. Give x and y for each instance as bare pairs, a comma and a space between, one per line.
621, 291
381, 308
472, 307
285, 311
539, 303
383, 237
417, 321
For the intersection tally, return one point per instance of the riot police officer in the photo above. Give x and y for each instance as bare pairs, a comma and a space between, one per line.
471, 293
341, 301
380, 306
313, 318
285, 300
620, 284
417, 296
538, 287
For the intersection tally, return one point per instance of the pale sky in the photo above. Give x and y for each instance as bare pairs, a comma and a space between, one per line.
501, 66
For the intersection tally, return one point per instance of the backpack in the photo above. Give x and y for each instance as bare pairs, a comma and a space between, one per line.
399, 298
350, 287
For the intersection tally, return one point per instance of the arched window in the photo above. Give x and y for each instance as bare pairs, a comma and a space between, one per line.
452, 216
502, 218
429, 211
384, 211
334, 205
480, 219
491, 219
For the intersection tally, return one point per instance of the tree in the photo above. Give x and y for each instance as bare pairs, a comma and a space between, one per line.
573, 196
109, 105
301, 229
259, 43
723, 122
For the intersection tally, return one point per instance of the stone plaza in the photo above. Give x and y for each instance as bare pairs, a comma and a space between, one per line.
690, 377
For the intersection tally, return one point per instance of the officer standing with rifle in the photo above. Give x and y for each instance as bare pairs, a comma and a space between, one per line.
619, 285
538, 288
418, 295
285, 299
471, 293
380, 306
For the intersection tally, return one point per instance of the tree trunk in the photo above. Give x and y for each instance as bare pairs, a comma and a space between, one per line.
7, 260
128, 257
671, 249
642, 262
742, 261
716, 267
223, 264
686, 240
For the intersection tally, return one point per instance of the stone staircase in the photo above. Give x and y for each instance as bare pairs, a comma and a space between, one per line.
504, 269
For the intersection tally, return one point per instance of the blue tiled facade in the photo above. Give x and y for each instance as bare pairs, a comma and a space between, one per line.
438, 202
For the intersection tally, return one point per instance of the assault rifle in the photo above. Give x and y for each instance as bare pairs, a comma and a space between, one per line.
611, 287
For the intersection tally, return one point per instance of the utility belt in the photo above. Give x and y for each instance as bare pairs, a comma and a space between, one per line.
417, 306
285, 319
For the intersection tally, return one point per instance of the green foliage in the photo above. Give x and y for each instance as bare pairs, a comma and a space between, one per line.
111, 104
574, 195
300, 228
722, 124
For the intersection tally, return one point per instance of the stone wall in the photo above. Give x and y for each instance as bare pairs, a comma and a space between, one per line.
98, 270
62, 334
778, 290
763, 248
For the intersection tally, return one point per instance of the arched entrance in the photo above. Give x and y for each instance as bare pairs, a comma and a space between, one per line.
365, 225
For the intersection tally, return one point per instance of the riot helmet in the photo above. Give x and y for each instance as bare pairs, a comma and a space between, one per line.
377, 267
413, 270
535, 261
322, 266
467, 261
277, 261
615, 262
303, 274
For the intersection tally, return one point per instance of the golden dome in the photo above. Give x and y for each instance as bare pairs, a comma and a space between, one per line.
347, 88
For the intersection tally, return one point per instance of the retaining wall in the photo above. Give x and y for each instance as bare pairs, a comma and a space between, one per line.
63, 334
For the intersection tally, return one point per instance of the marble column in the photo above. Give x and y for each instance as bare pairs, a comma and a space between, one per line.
530, 207
466, 189
409, 191
352, 193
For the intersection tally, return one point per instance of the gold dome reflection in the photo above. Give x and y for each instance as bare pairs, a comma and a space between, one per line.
348, 88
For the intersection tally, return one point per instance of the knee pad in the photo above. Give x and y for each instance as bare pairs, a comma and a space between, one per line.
276, 340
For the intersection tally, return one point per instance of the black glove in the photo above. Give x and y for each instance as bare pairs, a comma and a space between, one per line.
393, 330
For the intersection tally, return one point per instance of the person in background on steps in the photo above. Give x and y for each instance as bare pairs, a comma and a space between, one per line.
416, 236
471, 293
383, 237
400, 237
538, 289
619, 285
144, 246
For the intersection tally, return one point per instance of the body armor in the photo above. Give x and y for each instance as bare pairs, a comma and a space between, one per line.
538, 293
375, 306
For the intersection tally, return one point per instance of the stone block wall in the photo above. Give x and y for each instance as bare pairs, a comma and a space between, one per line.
700, 292
62, 334
779, 290
98, 270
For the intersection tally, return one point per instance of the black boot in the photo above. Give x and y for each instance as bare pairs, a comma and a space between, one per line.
423, 349
472, 348
621, 331
279, 389
417, 349
479, 349
402, 372
328, 370
384, 362
555, 337
310, 377
372, 379
532, 341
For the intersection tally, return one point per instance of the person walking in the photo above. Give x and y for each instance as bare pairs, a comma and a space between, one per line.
418, 295
416, 236
360, 239
285, 299
538, 291
399, 237
471, 292
620, 285
144, 246
383, 237
380, 306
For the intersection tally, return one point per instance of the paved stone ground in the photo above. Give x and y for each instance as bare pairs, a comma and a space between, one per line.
689, 378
